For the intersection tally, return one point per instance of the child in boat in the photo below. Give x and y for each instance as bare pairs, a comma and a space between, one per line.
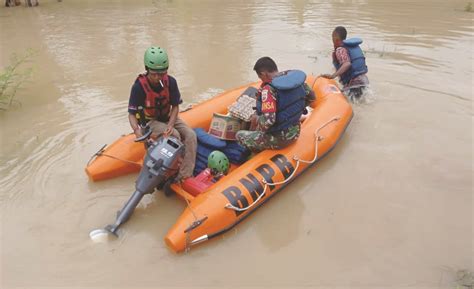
349, 61
281, 100
155, 97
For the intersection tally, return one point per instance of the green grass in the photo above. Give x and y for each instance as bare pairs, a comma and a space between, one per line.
13, 76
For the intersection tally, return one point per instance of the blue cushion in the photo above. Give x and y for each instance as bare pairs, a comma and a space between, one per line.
198, 169
203, 150
233, 145
209, 140
236, 153
200, 165
201, 158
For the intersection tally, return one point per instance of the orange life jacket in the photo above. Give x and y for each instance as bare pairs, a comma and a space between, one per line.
157, 105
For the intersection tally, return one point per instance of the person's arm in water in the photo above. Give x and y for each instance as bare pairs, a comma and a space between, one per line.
344, 67
342, 56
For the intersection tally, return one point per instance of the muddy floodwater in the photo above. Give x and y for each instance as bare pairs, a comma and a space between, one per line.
390, 207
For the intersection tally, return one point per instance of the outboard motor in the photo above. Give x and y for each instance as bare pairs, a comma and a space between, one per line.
161, 164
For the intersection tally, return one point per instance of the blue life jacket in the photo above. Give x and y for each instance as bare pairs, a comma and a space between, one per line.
358, 65
290, 96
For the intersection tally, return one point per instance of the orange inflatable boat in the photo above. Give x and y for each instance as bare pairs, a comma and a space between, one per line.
246, 187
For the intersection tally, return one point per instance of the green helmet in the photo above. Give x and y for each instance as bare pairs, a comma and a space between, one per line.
156, 58
218, 162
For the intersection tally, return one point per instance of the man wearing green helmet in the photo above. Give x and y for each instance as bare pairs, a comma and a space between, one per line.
154, 100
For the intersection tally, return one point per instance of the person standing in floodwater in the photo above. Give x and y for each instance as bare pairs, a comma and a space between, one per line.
349, 62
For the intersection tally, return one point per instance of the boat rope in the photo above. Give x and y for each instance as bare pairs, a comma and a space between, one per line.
230, 206
314, 82
96, 154
119, 159
318, 138
187, 243
190, 208
100, 152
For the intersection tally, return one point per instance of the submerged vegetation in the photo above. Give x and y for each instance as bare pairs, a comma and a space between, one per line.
468, 7
464, 279
13, 76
